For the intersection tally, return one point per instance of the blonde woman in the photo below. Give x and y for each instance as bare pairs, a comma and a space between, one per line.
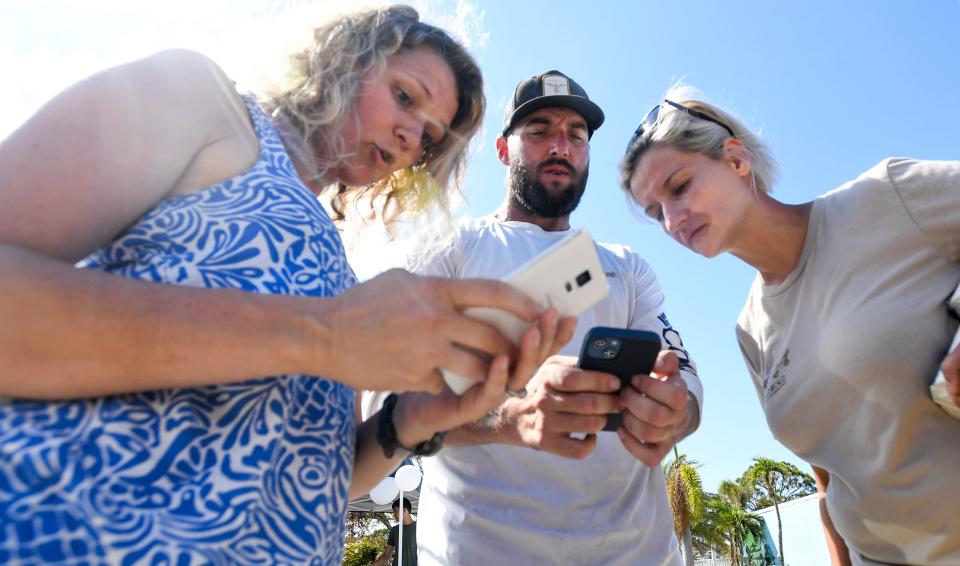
158, 400
846, 323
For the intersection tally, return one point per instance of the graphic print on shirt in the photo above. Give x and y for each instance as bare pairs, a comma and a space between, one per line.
675, 344
776, 379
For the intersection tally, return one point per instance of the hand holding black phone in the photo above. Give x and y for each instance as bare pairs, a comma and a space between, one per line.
619, 351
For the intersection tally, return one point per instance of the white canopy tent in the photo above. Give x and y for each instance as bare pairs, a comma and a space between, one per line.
365, 503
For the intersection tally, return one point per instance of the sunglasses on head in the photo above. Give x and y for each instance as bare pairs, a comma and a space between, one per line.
650, 120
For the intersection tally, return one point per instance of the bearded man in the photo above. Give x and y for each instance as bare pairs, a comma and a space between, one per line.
580, 496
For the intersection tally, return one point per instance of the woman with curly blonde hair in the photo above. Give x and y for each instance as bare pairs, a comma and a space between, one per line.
329, 74
171, 290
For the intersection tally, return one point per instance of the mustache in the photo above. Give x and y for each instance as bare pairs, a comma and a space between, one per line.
557, 161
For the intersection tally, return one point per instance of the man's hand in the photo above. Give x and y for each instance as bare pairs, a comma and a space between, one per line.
562, 400
658, 411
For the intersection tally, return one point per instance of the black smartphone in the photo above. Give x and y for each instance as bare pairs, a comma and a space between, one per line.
622, 352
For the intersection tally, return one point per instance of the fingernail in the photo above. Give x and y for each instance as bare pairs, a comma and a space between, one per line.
613, 384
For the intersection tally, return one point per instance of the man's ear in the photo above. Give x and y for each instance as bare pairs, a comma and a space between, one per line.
737, 156
503, 151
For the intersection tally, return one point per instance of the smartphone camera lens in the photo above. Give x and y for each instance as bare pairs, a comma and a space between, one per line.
604, 348
583, 279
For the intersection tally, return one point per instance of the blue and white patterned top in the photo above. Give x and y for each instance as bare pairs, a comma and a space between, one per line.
248, 473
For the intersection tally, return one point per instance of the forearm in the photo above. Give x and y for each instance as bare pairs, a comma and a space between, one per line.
839, 554
81, 333
497, 427
693, 423
385, 557
370, 465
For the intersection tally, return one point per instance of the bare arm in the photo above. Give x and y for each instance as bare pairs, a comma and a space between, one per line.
385, 557
87, 164
839, 555
97, 157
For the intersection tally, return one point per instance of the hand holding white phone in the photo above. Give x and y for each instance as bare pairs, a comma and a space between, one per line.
566, 276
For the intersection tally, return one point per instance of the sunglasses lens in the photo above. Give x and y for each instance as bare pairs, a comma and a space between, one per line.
648, 121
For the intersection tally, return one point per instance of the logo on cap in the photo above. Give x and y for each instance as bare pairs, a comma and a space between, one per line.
555, 84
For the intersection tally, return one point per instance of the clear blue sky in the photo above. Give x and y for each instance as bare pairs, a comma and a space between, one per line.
834, 87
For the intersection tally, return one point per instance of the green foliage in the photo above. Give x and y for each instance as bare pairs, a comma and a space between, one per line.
362, 551
366, 533
774, 482
685, 491
725, 527
361, 523
735, 493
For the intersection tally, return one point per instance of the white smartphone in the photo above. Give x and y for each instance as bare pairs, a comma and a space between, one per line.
566, 276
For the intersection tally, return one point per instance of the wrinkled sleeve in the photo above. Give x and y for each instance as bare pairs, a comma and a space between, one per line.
649, 314
751, 357
930, 193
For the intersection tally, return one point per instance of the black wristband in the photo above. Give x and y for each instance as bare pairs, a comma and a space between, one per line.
387, 433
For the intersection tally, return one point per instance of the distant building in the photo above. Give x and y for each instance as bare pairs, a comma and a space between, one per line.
803, 537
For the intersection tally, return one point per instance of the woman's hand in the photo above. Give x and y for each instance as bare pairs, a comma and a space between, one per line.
419, 415
394, 332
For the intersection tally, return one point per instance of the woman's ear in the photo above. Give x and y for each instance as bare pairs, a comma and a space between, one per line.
737, 156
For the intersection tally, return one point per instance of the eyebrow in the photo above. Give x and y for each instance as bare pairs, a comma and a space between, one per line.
540, 121
667, 181
423, 85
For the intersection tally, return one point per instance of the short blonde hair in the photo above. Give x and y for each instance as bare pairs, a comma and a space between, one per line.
326, 79
689, 134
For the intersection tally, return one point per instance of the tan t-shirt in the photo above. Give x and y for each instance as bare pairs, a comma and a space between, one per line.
843, 351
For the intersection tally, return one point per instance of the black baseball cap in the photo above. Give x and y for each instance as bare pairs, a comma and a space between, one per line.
551, 88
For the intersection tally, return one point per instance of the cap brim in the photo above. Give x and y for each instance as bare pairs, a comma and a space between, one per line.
583, 106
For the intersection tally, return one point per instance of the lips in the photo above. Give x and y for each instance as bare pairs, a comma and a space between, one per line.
700, 230
380, 156
557, 168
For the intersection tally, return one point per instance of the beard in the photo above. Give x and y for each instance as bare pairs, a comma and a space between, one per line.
534, 197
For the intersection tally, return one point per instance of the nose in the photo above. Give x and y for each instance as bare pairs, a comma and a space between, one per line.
409, 133
674, 217
560, 145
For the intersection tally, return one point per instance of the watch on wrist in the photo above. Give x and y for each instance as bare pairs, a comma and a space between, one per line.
387, 434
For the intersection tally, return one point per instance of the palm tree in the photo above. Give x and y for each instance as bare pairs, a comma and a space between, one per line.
735, 493
725, 526
687, 499
777, 482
